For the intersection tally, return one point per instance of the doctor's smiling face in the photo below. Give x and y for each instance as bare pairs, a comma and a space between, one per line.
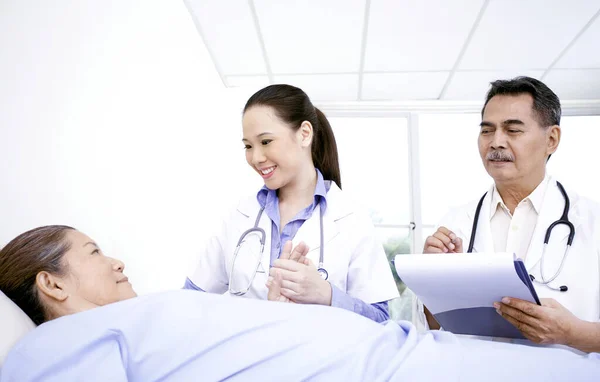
275, 150
286, 138
516, 140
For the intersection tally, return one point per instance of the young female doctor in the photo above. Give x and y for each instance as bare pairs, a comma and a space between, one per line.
337, 259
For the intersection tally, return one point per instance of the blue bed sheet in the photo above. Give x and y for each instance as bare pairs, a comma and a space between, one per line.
186, 336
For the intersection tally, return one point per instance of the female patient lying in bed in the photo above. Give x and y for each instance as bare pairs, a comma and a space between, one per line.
92, 329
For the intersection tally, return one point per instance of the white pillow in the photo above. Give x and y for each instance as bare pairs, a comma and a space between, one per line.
14, 324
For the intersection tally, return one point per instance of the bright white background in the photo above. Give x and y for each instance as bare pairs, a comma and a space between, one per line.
114, 120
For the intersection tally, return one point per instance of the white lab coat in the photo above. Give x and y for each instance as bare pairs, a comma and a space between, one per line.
581, 271
353, 257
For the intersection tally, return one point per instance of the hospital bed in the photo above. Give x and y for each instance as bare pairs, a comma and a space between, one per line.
188, 335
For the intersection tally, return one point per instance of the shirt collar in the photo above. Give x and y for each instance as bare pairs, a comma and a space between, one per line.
321, 189
265, 195
497, 203
536, 198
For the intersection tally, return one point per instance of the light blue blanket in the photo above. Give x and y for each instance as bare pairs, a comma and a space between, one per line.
189, 336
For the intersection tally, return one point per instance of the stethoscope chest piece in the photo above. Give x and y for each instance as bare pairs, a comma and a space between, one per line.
323, 273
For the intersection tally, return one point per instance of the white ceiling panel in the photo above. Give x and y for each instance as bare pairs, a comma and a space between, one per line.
312, 36
410, 47
574, 84
229, 33
324, 87
403, 86
247, 81
472, 86
518, 34
585, 53
418, 35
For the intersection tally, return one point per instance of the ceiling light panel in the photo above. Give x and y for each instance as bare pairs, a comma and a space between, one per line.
585, 52
324, 87
472, 86
230, 35
312, 36
575, 83
418, 35
403, 86
517, 34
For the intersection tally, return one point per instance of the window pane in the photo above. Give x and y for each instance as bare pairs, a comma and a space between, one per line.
451, 170
576, 160
374, 165
396, 241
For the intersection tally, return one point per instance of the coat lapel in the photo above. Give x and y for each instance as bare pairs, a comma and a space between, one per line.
310, 231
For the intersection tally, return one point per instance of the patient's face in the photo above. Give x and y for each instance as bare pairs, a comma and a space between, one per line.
93, 279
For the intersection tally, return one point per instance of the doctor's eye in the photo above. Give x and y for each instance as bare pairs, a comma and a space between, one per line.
514, 131
266, 141
485, 131
96, 251
247, 147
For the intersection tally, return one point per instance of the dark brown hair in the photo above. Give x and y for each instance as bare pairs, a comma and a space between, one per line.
32, 252
293, 107
546, 104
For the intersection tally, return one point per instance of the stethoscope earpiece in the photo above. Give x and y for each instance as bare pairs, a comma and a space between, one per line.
562, 288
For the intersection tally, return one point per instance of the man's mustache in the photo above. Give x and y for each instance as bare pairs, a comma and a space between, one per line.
500, 156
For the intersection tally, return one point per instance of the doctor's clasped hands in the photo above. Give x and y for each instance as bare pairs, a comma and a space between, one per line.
298, 278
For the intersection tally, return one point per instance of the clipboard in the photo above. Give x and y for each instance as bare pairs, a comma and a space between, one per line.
459, 289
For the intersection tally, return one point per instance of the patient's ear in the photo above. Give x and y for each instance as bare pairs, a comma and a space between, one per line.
51, 286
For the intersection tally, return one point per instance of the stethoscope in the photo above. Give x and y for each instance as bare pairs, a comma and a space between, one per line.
564, 219
261, 232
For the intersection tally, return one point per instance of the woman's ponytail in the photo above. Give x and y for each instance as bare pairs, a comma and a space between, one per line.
324, 150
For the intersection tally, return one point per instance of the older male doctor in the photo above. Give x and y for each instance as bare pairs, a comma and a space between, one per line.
519, 132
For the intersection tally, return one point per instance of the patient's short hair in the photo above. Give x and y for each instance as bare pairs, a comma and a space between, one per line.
41, 249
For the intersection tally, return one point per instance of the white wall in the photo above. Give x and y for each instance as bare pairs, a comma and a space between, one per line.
114, 120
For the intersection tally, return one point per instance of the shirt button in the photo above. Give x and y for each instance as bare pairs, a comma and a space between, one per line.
515, 228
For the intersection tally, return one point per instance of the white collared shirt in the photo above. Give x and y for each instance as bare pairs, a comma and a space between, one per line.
512, 233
